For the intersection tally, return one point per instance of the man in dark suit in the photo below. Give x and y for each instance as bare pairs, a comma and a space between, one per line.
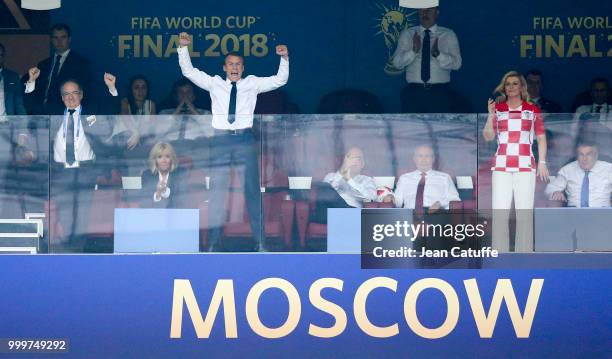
77, 140
21, 180
535, 86
11, 90
44, 97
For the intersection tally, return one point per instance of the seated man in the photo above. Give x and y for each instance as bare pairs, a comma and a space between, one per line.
425, 188
586, 182
346, 187
187, 122
599, 91
429, 193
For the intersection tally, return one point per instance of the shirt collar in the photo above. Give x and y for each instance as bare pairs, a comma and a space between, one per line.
418, 172
228, 81
596, 167
77, 110
432, 29
64, 55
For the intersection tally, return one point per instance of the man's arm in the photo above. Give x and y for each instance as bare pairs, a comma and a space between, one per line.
364, 189
398, 197
451, 192
449, 57
556, 186
33, 75
265, 84
404, 53
199, 78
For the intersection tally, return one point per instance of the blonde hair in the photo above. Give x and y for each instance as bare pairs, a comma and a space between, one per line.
501, 88
157, 150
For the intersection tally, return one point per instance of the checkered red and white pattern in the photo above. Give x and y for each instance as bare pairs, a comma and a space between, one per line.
515, 132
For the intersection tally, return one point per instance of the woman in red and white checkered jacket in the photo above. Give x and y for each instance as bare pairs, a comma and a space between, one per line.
515, 121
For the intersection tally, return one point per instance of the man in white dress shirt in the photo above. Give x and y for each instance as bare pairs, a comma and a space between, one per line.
233, 101
429, 53
429, 193
77, 140
349, 183
438, 188
586, 182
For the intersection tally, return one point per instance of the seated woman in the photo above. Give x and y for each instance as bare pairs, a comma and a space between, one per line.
132, 133
138, 102
162, 187
346, 187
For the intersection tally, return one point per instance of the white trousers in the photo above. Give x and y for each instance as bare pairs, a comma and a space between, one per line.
521, 187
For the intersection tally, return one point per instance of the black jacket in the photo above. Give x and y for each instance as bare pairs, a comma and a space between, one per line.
75, 67
13, 93
178, 190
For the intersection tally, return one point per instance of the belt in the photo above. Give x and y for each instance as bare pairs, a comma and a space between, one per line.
75, 164
426, 85
240, 131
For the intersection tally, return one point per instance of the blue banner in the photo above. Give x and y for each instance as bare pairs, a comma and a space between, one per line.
341, 44
280, 305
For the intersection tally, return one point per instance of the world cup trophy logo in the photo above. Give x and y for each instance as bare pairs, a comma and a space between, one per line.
391, 24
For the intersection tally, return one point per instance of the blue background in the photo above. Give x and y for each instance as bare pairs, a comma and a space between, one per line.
334, 44
120, 306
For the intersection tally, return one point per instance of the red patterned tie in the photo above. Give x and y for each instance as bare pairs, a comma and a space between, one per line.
418, 203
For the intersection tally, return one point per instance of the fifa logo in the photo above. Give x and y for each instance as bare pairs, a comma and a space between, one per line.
390, 25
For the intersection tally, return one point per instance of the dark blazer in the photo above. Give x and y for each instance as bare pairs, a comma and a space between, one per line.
13, 93
178, 190
75, 67
549, 106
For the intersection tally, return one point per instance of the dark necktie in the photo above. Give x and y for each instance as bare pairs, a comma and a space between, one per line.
584, 191
70, 138
183, 127
232, 103
54, 72
418, 203
426, 57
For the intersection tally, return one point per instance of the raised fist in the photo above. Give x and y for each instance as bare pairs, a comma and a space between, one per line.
109, 80
184, 39
34, 72
281, 50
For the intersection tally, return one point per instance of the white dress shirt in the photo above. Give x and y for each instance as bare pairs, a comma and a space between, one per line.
449, 58
354, 191
82, 149
248, 88
439, 187
604, 111
197, 126
569, 180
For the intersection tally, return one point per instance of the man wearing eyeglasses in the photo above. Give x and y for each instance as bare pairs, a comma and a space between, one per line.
76, 141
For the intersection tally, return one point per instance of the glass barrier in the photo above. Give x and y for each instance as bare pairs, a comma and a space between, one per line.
172, 183
24, 158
